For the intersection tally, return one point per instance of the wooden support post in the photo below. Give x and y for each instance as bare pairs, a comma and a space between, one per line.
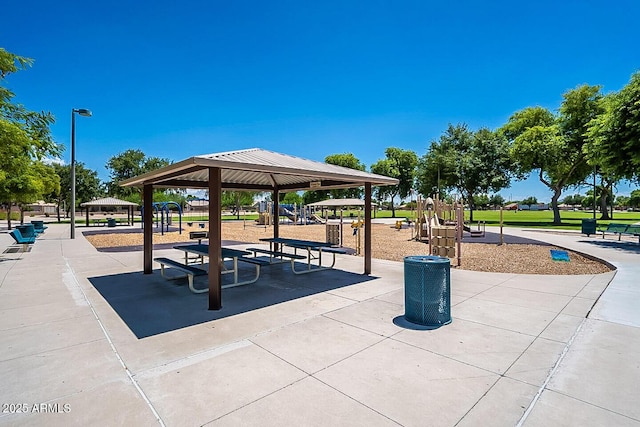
367, 228
501, 236
215, 239
147, 202
276, 214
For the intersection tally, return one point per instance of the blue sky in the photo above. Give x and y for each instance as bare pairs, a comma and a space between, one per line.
177, 79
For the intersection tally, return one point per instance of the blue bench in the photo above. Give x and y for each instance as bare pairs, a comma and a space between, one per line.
22, 240
39, 226
27, 230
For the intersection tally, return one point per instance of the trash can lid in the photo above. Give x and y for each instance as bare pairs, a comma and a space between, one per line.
426, 259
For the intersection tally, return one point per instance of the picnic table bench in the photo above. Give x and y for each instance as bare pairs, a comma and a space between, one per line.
189, 270
620, 229
202, 251
309, 246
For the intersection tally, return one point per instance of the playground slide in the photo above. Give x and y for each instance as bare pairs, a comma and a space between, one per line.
317, 218
286, 212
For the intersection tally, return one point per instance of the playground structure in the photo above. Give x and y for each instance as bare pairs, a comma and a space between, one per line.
305, 215
441, 224
163, 216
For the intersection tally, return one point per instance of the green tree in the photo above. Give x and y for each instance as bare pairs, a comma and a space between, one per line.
622, 202
347, 160
469, 162
634, 199
614, 135
237, 199
574, 200
314, 196
531, 200
25, 140
496, 200
481, 201
400, 164
126, 165
553, 145
88, 186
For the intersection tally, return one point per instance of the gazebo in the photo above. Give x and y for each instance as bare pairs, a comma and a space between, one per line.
252, 170
111, 202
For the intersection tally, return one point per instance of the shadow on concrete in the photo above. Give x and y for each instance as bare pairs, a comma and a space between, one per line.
624, 246
152, 305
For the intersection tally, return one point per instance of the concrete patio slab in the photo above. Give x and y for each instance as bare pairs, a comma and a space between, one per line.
317, 343
556, 409
607, 354
562, 328
31, 340
503, 405
308, 402
372, 315
487, 347
525, 298
114, 403
409, 385
536, 363
216, 386
68, 371
512, 317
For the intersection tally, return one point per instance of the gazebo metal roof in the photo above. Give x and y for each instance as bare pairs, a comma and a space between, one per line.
258, 169
108, 201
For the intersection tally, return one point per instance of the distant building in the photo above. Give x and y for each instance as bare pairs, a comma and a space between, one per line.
41, 208
197, 206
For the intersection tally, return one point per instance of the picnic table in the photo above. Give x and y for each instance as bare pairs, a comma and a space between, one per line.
308, 246
202, 250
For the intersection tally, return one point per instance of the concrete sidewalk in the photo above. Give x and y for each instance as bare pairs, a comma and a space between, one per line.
87, 339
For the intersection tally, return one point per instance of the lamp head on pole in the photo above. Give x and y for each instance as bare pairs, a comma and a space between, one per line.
82, 112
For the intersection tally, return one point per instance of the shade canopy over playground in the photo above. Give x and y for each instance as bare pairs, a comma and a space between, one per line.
254, 170
111, 202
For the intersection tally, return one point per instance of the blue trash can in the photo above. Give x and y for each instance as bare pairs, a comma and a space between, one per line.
111, 222
427, 290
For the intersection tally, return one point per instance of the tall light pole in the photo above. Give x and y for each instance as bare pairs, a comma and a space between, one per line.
86, 113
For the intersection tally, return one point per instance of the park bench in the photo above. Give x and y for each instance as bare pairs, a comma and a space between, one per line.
39, 226
27, 230
22, 240
620, 229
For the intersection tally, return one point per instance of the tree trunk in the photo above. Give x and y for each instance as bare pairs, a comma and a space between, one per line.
554, 205
471, 207
393, 208
603, 204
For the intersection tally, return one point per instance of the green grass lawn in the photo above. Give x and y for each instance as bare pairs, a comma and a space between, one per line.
571, 220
